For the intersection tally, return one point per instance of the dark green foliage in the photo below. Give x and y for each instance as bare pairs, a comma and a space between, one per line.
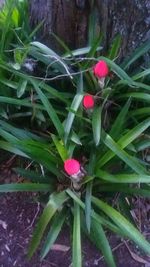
43, 120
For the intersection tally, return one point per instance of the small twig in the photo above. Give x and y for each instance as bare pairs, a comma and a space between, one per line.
114, 249
28, 166
9, 162
59, 76
36, 214
134, 255
42, 170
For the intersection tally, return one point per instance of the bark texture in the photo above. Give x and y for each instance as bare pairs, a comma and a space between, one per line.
69, 20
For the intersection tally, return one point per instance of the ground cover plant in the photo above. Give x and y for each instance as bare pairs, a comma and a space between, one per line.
85, 132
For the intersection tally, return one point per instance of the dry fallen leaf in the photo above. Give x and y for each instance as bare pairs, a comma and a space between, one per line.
59, 247
3, 224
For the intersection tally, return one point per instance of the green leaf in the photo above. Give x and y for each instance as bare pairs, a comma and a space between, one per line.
140, 112
21, 87
79, 52
25, 187
141, 74
76, 246
19, 133
33, 33
123, 178
9, 147
144, 144
47, 55
71, 115
50, 110
88, 205
125, 140
140, 51
19, 102
53, 233
92, 26
55, 202
118, 151
99, 238
115, 47
120, 120
137, 85
94, 48
89, 186
75, 138
96, 124
33, 176
130, 231
125, 189
94, 215
125, 209
41, 153
60, 147
139, 96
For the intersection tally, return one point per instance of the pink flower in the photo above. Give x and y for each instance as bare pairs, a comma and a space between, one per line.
88, 101
101, 69
72, 166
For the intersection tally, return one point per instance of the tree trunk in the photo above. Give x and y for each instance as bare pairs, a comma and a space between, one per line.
69, 20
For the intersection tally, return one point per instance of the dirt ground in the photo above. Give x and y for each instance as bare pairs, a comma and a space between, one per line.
18, 215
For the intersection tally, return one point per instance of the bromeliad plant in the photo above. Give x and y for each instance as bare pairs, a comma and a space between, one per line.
90, 146
91, 150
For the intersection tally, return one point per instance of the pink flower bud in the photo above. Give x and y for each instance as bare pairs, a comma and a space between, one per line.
101, 69
88, 101
72, 166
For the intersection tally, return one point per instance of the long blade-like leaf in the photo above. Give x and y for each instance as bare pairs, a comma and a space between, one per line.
137, 53
99, 238
96, 124
56, 201
50, 110
123, 155
125, 140
71, 116
53, 233
76, 257
25, 187
130, 231
123, 178
120, 120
